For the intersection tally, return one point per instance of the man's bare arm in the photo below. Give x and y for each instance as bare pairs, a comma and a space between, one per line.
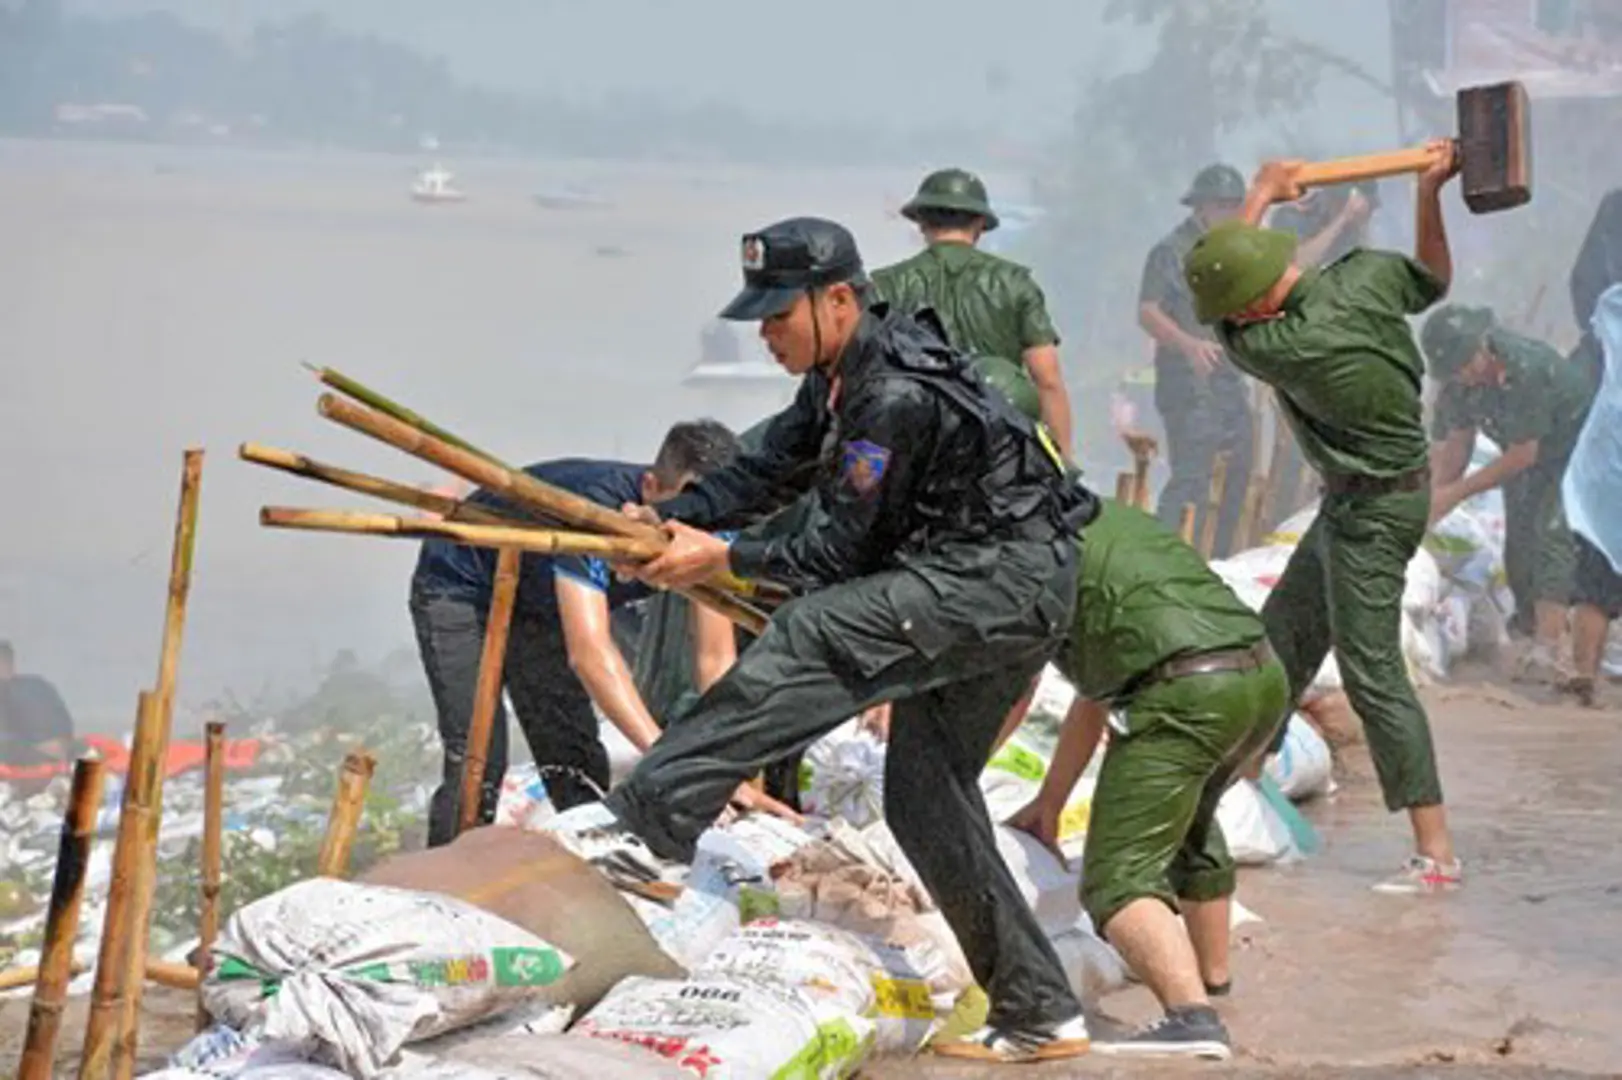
1042, 361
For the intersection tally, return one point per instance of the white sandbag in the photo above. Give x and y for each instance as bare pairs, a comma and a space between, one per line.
355, 972
842, 775
223, 1051
1303, 767
1090, 963
731, 1029
706, 912
292, 1070
539, 1057
1052, 889
889, 984
1053, 698
1255, 834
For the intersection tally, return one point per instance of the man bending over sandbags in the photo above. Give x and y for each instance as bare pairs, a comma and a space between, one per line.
1196, 693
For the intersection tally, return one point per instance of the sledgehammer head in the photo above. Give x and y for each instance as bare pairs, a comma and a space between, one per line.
1495, 147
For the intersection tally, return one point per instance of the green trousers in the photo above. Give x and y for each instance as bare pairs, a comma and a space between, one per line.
1153, 830
1342, 590
1539, 558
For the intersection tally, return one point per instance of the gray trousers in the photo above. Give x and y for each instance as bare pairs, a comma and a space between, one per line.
953, 640
554, 710
1204, 418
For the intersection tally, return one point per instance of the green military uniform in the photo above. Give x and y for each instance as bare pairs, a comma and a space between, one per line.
988, 305
1348, 376
1543, 397
1203, 415
1185, 665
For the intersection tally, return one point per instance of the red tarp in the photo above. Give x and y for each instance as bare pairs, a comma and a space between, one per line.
183, 756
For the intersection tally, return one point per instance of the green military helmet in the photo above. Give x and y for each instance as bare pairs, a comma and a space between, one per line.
952, 189
1009, 377
1215, 184
1233, 265
1451, 336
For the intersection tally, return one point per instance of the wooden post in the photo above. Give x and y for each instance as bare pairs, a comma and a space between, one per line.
174, 976
1124, 490
62, 922
145, 778
1185, 527
1303, 487
347, 805
1261, 522
107, 994
1213, 505
208, 925
487, 693
1246, 529
14, 978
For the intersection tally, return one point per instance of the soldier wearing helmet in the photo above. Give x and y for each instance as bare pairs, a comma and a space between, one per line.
939, 563
1200, 396
1532, 402
1335, 345
990, 306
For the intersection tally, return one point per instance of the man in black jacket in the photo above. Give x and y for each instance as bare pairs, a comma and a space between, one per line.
940, 567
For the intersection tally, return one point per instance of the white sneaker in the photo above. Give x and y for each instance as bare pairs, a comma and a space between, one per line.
1422, 875
1006, 1045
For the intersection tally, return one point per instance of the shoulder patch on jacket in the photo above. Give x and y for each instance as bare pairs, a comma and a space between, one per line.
864, 464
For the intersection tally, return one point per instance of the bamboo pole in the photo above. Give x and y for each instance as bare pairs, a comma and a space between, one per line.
1213, 505
298, 465
487, 692
1262, 523
347, 804
62, 922
18, 977
1303, 486
208, 925
1124, 488
146, 774
504, 537
108, 992
1143, 448
174, 976
521, 488
342, 383
1185, 526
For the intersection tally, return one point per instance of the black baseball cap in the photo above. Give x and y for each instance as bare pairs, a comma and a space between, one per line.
784, 260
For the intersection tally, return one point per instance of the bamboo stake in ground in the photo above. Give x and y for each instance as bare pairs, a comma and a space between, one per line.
487, 692
1213, 506
107, 994
524, 490
146, 773
62, 922
1185, 526
520, 538
353, 779
1143, 448
208, 924
1261, 523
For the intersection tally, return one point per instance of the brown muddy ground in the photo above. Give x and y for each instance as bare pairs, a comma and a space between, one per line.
1519, 975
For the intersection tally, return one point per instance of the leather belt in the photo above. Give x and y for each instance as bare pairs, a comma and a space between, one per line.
1350, 484
1254, 658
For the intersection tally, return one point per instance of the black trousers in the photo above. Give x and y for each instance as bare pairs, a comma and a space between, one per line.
1204, 417
953, 640
554, 711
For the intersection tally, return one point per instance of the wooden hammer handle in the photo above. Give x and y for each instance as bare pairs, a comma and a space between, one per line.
1365, 167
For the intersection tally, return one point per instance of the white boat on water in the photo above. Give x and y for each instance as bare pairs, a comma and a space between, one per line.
435, 186
716, 372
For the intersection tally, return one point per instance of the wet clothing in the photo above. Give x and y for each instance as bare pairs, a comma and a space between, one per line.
450, 603
1348, 376
1147, 603
989, 305
943, 547
1203, 415
1543, 397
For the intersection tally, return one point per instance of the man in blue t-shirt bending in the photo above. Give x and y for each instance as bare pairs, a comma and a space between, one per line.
561, 656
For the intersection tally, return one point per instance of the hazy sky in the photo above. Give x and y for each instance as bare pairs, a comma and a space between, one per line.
909, 60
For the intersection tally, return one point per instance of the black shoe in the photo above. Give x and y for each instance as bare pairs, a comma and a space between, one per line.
1222, 989
1190, 1031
